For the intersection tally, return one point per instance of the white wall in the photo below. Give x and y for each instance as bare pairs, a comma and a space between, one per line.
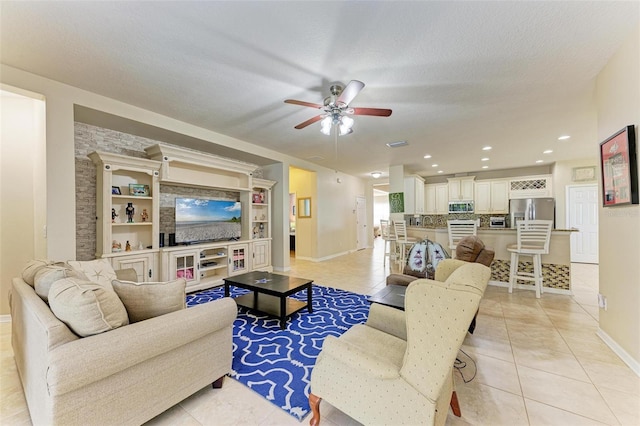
22, 183
618, 101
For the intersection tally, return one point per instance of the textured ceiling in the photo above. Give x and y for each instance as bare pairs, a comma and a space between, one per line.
457, 75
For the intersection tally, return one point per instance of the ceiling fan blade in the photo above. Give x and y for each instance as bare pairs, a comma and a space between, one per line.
309, 121
302, 103
379, 112
351, 91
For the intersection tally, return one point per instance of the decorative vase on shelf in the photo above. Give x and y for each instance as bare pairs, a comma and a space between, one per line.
127, 247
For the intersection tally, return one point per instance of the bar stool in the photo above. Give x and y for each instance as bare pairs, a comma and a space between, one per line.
389, 238
402, 241
533, 241
459, 229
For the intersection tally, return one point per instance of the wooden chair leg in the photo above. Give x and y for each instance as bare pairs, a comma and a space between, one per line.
455, 405
218, 383
314, 402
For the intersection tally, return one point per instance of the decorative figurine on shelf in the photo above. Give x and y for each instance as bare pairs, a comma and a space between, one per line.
261, 196
116, 246
113, 215
140, 245
262, 230
255, 232
130, 211
128, 246
144, 215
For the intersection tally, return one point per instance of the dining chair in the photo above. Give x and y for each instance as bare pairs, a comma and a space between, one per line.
387, 234
403, 242
533, 241
459, 229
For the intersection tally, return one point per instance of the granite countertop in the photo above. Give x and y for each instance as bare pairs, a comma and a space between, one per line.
482, 228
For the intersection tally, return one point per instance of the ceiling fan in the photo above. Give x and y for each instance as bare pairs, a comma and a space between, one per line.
336, 109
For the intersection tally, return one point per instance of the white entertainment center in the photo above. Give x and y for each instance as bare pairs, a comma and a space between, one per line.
129, 241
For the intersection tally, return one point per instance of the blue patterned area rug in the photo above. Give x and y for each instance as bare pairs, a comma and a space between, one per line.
277, 363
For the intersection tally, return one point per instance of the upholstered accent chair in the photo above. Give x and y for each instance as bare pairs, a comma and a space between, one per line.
397, 368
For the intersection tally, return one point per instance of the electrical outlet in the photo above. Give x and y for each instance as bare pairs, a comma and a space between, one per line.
602, 301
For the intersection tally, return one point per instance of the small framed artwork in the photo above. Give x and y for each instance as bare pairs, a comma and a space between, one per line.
583, 174
396, 202
619, 167
138, 190
257, 199
115, 190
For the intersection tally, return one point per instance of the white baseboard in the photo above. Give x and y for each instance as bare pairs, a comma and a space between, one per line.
619, 350
530, 287
322, 259
5, 318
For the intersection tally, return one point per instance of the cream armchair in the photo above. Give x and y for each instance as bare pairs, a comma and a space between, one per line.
397, 368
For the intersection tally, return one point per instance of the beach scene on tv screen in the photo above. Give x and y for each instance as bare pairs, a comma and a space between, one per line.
200, 219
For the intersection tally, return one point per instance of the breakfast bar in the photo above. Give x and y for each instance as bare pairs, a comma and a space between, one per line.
556, 266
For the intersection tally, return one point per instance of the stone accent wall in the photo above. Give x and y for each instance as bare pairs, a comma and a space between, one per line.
554, 276
90, 138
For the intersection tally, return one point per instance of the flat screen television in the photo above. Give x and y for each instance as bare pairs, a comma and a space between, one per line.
201, 219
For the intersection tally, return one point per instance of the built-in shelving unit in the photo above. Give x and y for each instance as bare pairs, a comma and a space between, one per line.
127, 211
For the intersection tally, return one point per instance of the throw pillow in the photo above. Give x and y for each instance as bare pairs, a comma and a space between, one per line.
85, 307
47, 275
29, 272
151, 299
423, 259
98, 271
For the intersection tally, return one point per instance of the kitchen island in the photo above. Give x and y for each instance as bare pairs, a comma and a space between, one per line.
556, 266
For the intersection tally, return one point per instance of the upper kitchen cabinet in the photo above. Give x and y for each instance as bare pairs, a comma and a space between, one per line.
436, 197
531, 187
492, 196
461, 188
413, 195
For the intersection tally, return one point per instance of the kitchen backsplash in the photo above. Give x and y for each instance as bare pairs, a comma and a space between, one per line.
440, 220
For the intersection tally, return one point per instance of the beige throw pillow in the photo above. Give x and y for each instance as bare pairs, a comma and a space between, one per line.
47, 275
29, 272
85, 307
99, 271
152, 299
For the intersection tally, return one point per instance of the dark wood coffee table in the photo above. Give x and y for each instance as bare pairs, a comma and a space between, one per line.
270, 293
392, 295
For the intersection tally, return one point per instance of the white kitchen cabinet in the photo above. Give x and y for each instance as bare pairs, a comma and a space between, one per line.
461, 189
531, 187
413, 195
436, 198
491, 196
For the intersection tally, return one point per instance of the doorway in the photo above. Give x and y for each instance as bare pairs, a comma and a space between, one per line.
361, 223
582, 214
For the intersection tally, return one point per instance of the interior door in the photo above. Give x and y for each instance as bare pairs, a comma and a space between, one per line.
582, 212
361, 222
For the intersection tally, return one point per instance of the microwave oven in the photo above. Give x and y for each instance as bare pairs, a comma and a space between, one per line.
460, 206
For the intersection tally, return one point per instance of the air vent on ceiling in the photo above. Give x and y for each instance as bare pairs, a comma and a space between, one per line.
397, 144
315, 158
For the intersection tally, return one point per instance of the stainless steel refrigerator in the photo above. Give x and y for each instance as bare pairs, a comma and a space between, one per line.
531, 209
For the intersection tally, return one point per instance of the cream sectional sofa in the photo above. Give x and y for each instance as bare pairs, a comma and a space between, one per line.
124, 376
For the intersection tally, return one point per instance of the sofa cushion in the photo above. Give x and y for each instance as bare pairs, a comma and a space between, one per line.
151, 299
98, 271
29, 272
87, 308
47, 275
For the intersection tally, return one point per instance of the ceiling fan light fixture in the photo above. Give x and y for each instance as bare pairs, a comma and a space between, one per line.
325, 125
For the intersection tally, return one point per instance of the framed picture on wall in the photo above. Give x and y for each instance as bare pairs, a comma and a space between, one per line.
619, 165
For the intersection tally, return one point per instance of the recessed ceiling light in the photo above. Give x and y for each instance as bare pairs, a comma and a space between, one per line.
427, 156
376, 175
484, 159
486, 148
440, 171
434, 165
564, 138
539, 161
548, 151
485, 167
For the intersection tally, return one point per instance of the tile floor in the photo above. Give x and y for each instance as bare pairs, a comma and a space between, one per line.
539, 362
